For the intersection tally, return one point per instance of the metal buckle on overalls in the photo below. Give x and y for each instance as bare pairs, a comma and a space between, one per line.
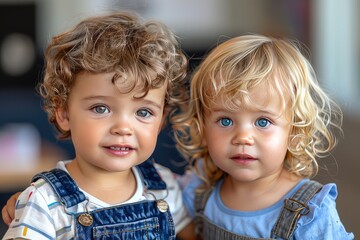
303, 207
161, 204
86, 219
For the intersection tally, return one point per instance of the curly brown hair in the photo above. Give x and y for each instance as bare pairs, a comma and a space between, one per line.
143, 55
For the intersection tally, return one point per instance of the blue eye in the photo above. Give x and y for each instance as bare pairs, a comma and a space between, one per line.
225, 122
143, 113
262, 122
100, 109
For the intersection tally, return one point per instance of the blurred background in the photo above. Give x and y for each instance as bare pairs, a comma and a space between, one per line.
329, 29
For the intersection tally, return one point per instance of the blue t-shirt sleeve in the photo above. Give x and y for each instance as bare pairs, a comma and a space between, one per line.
192, 183
323, 221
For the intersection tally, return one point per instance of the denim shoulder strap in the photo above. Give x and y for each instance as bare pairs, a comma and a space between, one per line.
151, 177
294, 208
63, 185
201, 197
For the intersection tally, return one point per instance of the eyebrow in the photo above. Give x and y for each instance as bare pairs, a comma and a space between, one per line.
150, 102
94, 97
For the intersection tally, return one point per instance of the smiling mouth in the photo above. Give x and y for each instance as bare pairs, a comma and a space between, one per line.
120, 148
120, 151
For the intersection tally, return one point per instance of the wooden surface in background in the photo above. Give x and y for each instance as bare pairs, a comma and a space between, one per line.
12, 180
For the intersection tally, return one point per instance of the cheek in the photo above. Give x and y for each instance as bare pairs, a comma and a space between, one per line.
85, 131
150, 135
216, 143
211, 132
83, 137
279, 144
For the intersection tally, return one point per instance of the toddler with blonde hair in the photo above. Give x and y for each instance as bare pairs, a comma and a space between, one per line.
255, 127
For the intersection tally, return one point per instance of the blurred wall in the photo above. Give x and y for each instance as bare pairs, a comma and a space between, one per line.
328, 27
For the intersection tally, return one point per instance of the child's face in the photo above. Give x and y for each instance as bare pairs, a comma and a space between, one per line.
111, 130
249, 143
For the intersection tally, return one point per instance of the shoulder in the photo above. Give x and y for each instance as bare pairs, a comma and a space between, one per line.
33, 213
166, 174
173, 190
190, 181
40, 193
324, 201
39, 189
323, 221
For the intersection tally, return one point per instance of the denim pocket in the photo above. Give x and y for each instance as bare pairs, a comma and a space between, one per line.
142, 229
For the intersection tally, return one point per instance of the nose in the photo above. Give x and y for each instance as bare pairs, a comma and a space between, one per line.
121, 131
122, 127
243, 136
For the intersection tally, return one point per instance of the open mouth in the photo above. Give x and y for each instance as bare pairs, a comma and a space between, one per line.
120, 148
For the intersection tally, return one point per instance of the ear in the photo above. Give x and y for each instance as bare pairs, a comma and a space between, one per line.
62, 118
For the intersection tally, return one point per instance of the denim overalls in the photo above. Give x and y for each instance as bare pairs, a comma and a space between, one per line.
147, 219
284, 228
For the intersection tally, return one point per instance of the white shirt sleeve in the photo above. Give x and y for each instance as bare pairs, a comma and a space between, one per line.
33, 219
174, 198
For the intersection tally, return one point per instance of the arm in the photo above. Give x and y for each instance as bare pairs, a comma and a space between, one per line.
33, 219
187, 233
8, 211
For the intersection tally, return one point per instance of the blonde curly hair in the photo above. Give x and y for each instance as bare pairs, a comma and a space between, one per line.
143, 55
241, 64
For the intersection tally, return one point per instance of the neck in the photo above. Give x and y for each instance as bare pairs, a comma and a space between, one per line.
109, 187
257, 194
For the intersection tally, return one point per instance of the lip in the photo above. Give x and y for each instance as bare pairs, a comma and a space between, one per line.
120, 150
243, 158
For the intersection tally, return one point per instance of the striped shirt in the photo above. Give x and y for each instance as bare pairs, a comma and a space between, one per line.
40, 215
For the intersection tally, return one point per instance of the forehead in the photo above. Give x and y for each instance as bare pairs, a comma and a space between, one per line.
104, 84
124, 82
257, 98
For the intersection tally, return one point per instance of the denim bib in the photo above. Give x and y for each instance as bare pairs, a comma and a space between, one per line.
147, 219
294, 208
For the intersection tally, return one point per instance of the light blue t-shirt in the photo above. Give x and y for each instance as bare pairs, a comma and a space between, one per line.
322, 222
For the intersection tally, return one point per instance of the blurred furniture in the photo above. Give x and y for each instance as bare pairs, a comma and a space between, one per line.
18, 180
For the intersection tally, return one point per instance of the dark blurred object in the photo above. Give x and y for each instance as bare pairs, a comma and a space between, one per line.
166, 153
18, 49
23, 105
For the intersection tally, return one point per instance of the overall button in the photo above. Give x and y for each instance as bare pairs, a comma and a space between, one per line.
162, 205
85, 219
